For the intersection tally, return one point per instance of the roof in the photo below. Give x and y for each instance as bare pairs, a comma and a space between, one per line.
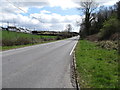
12, 27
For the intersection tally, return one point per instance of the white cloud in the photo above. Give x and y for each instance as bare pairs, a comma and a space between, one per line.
53, 21
64, 4
44, 11
10, 8
111, 2
100, 2
21, 6
56, 21
46, 20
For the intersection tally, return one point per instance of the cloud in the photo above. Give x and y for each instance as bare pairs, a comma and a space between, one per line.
21, 6
109, 3
10, 5
100, 2
64, 4
57, 21
13, 11
45, 20
44, 11
11, 8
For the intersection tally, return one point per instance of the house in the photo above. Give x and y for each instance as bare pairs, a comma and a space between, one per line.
3, 28
27, 31
17, 30
21, 30
12, 28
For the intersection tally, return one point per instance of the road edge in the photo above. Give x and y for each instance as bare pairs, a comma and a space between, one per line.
74, 76
75, 72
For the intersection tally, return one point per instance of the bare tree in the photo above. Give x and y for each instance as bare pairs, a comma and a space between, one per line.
68, 27
118, 10
88, 7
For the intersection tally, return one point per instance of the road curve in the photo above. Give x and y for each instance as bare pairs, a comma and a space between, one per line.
39, 66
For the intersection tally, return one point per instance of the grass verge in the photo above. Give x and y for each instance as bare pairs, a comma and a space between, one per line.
10, 38
3, 48
97, 67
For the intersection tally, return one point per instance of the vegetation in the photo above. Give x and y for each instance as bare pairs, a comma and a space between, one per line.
97, 67
10, 38
108, 45
97, 63
110, 27
16, 39
19, 46
104, 22
88, 8
68, 28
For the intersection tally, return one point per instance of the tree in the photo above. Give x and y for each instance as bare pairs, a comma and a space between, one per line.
68, 27
110, 27
88, 7
118, 10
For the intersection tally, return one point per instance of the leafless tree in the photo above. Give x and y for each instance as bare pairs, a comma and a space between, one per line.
88, 7
68, 27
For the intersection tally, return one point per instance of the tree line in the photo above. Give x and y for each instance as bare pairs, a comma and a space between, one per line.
102, 20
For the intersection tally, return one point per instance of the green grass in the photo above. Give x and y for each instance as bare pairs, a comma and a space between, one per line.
3, 48
16, 38
97, 67
12, 40
14, 35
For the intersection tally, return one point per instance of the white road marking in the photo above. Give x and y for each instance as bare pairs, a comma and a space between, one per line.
73, 48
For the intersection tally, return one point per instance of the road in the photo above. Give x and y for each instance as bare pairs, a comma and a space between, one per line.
39, 66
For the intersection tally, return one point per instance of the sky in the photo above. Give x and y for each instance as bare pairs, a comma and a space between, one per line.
50, 15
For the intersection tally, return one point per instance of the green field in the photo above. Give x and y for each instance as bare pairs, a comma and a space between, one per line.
97, 67
14, 35
11, 39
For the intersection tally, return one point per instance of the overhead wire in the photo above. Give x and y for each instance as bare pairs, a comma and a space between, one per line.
26, 12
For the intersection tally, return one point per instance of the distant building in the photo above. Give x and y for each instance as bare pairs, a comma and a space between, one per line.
12, 28
27, 31
3, 28
16, 29
21, 30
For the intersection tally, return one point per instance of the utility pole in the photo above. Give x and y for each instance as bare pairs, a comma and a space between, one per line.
7, 24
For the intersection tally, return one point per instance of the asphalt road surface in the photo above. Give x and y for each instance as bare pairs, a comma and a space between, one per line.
39, 66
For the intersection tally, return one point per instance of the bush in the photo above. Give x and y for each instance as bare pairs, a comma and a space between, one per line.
10, 38
108, 44
109, 28
22, 41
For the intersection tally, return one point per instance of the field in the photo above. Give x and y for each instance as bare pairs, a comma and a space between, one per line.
11, 39
97, 67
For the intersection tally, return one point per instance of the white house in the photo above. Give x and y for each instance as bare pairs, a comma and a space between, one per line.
12, 28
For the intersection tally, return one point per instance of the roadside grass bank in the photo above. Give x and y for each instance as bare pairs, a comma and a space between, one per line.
3, 48
96, 67
11, 40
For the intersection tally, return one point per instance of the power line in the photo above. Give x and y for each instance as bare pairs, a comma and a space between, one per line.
25, 11
15, 6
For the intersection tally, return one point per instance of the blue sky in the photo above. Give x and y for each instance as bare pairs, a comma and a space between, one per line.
58, 10
51, 15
